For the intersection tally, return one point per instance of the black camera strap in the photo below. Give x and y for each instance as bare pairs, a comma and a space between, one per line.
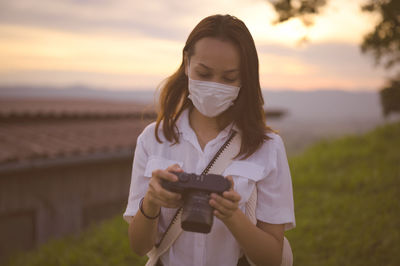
205, 171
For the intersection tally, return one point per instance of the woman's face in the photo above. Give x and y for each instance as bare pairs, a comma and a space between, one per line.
214, 60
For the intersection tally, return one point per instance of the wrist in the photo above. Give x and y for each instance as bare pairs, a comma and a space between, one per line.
149, 209
230, 221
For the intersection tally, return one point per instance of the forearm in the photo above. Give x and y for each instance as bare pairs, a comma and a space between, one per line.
261, 247
143, 231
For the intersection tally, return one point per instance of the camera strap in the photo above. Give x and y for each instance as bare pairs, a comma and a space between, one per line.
217, 165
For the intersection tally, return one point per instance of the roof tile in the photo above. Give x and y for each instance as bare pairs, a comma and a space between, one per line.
36, 138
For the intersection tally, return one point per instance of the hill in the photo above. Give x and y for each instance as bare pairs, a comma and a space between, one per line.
347, 195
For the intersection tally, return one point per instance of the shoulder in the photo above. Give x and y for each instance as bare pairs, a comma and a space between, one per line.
269, 151
273, 144
266, 159
274, 140
148, 134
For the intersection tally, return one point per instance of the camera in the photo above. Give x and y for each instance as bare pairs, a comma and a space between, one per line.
197, 214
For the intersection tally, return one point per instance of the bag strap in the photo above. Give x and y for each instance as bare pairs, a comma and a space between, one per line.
217, 165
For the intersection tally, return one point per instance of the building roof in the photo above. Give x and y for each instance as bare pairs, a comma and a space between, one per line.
39, 132
77, 108
43, 132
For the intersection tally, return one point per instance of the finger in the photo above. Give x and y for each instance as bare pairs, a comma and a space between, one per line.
168, 195
227, 203
219, 207
174, 168
219, 215
232, 196
163, 174
162, 193
164, 202
157, 192
224, 207
231, 181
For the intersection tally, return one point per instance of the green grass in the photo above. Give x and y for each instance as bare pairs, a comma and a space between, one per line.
347, 202
105, 244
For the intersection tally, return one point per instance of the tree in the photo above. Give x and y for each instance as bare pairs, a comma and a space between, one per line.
288, 9
390, 97
383, 43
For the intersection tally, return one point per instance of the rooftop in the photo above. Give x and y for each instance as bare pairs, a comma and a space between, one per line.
43, 132
38, 132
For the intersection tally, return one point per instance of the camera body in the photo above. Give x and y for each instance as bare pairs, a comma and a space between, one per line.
197, 214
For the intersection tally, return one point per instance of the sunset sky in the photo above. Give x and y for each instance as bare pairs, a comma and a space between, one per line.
130, 44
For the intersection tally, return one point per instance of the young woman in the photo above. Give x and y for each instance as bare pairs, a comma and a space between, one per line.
215, 91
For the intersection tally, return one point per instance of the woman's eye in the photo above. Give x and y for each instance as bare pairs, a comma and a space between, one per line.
229, 80
208, 75
203, 75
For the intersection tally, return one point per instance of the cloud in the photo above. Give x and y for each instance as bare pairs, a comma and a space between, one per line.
316, 65
150, 18
172, 19
327, 54
44, 49
95, 41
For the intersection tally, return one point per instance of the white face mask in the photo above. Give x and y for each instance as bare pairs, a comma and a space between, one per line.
211, 98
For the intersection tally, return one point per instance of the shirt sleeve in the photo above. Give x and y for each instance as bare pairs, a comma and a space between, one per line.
274, 192
139, 182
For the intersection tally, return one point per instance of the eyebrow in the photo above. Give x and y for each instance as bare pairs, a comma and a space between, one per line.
227, 71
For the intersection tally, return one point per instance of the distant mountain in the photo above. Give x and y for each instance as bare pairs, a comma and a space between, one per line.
328, 104
310, 105
77, 92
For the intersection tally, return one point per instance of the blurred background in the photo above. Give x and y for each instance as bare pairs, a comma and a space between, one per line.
78, 83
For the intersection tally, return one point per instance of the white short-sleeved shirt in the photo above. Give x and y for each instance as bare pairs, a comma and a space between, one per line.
267, 167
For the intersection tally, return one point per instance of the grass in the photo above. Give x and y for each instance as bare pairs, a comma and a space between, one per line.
104, 244
347, 202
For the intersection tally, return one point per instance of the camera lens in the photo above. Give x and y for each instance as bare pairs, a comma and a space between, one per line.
197, 215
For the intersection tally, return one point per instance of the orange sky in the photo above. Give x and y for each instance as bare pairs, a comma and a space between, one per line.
136, 44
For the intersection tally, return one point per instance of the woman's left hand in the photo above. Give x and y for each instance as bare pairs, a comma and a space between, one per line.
227, 204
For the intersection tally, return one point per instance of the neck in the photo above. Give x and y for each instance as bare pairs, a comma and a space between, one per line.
206, 128
201, 123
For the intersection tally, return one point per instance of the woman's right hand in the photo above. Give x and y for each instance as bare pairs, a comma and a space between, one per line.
156, 196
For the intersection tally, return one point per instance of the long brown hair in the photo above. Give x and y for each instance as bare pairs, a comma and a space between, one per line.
247, 111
